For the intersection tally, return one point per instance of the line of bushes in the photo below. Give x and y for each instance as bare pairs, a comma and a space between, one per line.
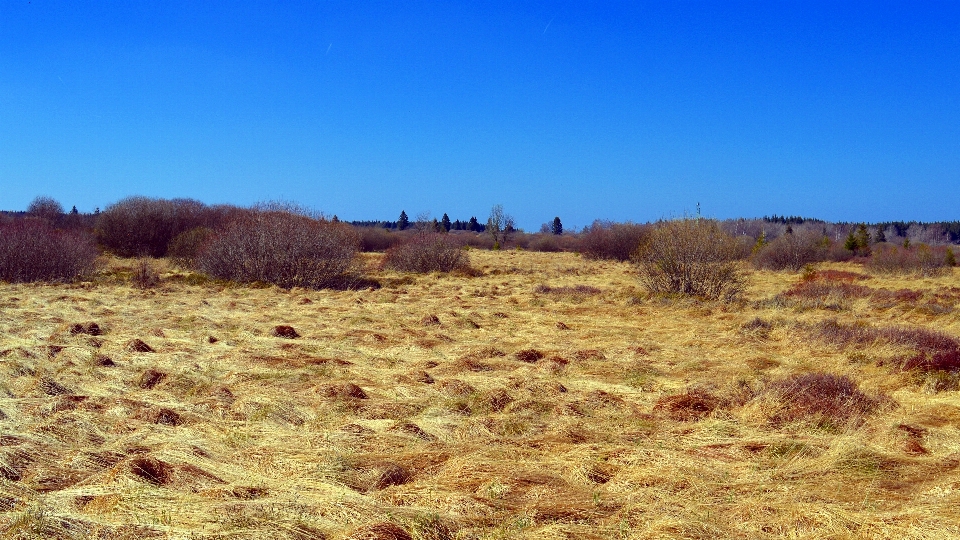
32, 249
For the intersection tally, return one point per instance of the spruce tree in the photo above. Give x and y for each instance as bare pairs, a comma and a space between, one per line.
445, 223
403, 222
557, 226
880, 237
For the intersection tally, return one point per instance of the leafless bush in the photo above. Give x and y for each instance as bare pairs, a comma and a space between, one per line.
692, 257
144, 275
186, 246
792, 251
377, 239
475, 240
46, 208
285, 249
141, 226
427, 252
32, 250
616, 241
922, 259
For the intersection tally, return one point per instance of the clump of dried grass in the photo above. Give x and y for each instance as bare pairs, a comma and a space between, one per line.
819, 398
929, 350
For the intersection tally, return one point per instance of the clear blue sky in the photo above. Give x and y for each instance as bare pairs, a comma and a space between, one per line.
617, 110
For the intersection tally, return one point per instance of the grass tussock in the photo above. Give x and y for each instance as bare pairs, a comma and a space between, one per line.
818, 398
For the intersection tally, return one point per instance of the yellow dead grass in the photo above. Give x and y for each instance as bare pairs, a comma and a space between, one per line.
247, 435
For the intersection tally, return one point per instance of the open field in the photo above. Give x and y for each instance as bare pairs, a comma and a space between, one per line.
548, 397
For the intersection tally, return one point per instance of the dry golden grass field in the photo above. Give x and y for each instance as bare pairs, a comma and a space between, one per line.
542, 396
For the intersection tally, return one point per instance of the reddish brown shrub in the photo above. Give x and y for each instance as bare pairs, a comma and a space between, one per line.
616, 241
427, 252
930, 350
377, 239
921, 259
821, 290
823, 398
282, 248
32, 250
792, 251
186, 246
141, 226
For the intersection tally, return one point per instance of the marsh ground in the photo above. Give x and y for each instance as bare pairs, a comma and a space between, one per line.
548, 397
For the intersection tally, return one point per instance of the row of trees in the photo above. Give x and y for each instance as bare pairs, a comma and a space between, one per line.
290, 246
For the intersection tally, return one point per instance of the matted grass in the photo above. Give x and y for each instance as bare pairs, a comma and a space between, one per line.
542, 396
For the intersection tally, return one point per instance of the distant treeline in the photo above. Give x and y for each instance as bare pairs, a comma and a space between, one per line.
471, 224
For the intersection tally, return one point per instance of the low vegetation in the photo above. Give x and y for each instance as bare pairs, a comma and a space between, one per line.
33, 250
539, 395
282, 248
235, 388
692, 257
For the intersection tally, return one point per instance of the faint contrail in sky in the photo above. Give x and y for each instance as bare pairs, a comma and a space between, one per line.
328, 49
548, 25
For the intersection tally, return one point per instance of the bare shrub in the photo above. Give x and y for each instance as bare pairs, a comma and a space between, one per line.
921, 259
140, 226
377, 239
32, 250
285, 249
475, 240
427, 252
692, 257
144, 275
46, 208
821, 398
792, 251
616, 241
186, 246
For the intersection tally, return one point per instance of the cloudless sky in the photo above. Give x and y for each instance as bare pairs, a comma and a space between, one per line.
617, 110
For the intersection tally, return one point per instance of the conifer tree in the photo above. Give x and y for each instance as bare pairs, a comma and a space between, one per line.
403, 222
557, 226
445, 223
880, 237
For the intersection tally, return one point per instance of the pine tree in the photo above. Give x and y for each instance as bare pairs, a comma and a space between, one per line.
445, 223
74, 210
474, 225
863, 239
557, 226
403, 222
851, 242
879, 237
950, 259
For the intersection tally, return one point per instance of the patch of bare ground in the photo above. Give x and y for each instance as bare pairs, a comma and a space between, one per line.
454, 406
